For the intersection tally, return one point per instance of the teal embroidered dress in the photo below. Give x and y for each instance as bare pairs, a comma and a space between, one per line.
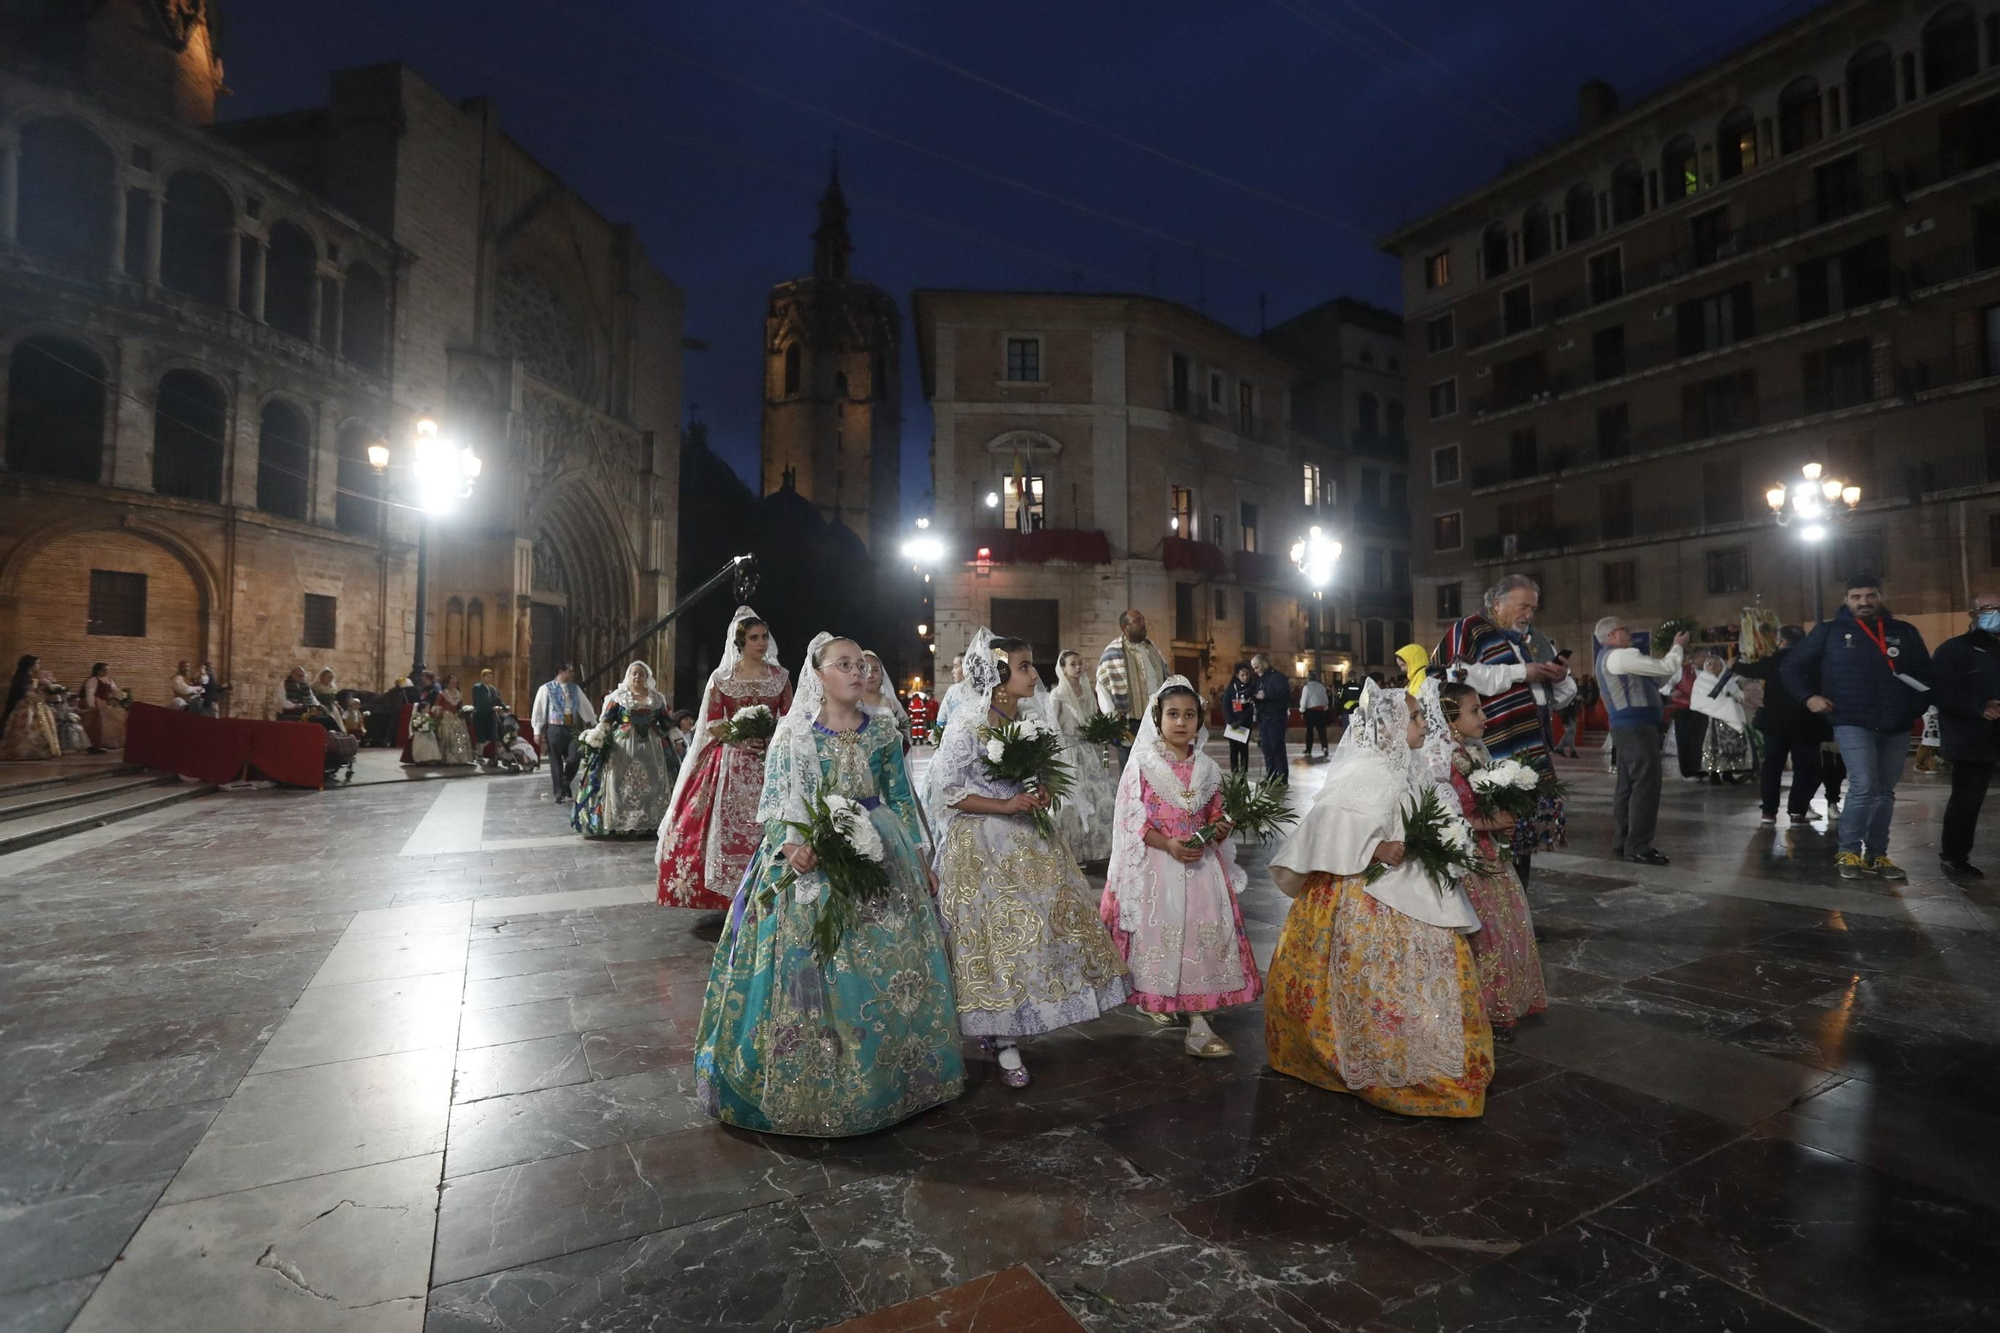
870, 1039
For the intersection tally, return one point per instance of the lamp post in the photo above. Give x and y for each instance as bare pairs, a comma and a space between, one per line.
1314, 556
1815, 502
441, 476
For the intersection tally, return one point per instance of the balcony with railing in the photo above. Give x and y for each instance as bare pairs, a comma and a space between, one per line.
1376, 445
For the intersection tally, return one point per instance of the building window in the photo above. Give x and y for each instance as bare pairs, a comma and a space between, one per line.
1445, 465
1181, 514
1024, 360
1368, 416
1215, 389
1628, 193
190, 418
117, 604
1614, 431
1837, 189
1246, 409
1523, 454
1721, 491
55, 409
1993, 540
1448, 531
1021, 500
1951, 47
1399, 494
1719, 405
1517, 309
1736, 144
1607, 353
1580, 212
1310, 486
1185, 628
1372, 635
1862, 551
1180, 377
1607, 276
1711, 322
1371, 487
1837, 377
1989, 347
1399, 570
1437, 270
1799, 115
1494, 251
1711, 237
284, 457
1448, 598
1729, 570
1680, 170
1871, 84
1621, 581
1439, 335
1253, 629
1247, 520
1535, 243
1371, 567
1857, 276
320, 620
1614, 509
1221, 604
1444, 399
792, 369
1216, 531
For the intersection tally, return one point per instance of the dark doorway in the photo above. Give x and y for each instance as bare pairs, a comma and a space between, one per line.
548, 641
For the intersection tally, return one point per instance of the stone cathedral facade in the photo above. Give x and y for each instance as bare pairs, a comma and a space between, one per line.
203, 326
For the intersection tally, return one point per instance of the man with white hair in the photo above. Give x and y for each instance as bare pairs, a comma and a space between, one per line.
1521, 684
1629, 683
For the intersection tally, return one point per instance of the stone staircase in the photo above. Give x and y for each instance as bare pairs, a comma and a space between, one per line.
67, 801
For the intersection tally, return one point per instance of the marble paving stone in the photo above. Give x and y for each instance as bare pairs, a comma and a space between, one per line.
517, 962
45, 1309
365, 1018
1501, 1298
1618, 1276
904, 1235
1012, 1300
340, 1252
1514, 1069
1941, 1006
1675, 1007
70, 1235
1566, 982
689, 1277
1939, 1140
620, 1009
568, 900
382, 957
1728, 1083
613, 1052
532, 987
548, 1122
538, 1210
1759, 980
522, 1066
1835, 1242
307, 1122
1860, 943
168, 1038
1620, 953
1868, 1046
428, 919
1153, 1275
514, 1023
493, 938
1570, 1034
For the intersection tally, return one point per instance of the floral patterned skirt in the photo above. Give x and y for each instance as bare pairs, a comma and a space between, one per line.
1364, 999
715, 831
790, 1047
1510, 967
31, 732
1197, 964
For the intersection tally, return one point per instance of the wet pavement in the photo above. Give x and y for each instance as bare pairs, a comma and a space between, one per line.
414, 1057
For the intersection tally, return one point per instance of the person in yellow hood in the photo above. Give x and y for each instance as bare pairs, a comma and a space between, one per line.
1417, 662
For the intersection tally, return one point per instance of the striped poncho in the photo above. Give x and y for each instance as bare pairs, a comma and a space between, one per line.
1516, 723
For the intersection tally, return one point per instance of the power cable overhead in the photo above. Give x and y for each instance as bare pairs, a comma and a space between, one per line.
1444, 69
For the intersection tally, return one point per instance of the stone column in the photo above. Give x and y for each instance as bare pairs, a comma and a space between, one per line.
260, 258
338, 294
120, 207
156, 216
314, 299
232, 274
10, 191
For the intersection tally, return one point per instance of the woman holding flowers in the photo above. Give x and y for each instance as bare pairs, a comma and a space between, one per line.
1493, 796
829, 1005
1085, 818
1028, 954
623, 785
711, 830
1373, 989
453, 716
1170, 896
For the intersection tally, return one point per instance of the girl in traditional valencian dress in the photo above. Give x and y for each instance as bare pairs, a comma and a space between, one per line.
1171, 902
454, 732
1085, 816
1510, 967
711, 829
935, 814
623, 786
793, 1046
1028, 953
1373, 989
30, 721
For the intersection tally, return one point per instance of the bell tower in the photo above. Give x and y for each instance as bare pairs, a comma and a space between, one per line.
832, 389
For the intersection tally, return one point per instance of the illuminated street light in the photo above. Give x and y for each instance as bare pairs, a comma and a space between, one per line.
1314, 555
1816, 503
992, 499
442, 476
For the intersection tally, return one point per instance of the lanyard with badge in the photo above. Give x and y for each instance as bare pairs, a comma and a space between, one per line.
1890, 652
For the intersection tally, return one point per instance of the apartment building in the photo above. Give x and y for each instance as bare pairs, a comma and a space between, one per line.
1618, 347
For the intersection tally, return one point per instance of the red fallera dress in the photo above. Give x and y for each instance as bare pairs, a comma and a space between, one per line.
714, 825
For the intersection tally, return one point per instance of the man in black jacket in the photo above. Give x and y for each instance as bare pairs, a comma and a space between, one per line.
1791, 730
1966, 686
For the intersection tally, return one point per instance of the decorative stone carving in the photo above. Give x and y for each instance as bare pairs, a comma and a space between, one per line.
530, 323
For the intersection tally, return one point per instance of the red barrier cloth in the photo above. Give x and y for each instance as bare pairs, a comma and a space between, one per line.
212, 749
1201, 557
1076, 546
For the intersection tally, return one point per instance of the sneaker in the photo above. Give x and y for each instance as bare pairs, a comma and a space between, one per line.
1960, 867
1884, 868
1851, 865
1799, 821
1768, 817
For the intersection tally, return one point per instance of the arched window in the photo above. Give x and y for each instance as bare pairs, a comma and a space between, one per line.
475, 628
792, 369
1951, 47
1579, 213
1871, 83
364, 319
190, 417
1736, 144
66, 193
454, 629
1535, 243
198, 238
357, 504
1680, 169
1395, 417
1493, 248
1371, 415
1628, 192
1799, 115
55, 409
284, 460
289, 274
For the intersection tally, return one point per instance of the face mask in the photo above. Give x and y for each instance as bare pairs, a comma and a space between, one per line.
1990, 621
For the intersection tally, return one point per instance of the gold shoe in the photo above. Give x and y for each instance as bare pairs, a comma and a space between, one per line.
1164, 1020
1215, 1048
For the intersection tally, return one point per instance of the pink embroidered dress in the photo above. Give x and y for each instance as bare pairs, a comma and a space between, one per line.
711, 829
1179, 927
1510, 967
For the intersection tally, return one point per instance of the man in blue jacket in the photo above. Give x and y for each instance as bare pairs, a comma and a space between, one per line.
1966, 679
1869, 674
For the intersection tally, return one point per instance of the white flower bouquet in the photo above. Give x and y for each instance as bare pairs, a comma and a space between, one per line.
850, 854
1029, 751
596, 736
422, 722
1511, 787
1437, 840
755, 722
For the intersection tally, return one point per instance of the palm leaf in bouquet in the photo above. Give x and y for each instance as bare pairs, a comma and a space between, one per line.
1106, 729
754, 722
850, 870
1029, 751
1260, 809
1437, 840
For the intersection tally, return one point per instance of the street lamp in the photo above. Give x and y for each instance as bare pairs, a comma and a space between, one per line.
441, 476
1314, 556
1816, 501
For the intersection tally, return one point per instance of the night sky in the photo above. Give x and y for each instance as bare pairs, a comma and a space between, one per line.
1339, 118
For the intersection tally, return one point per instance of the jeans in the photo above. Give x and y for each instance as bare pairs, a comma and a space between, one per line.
1805, 772
1635, 800
1874, 765
1961, 813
